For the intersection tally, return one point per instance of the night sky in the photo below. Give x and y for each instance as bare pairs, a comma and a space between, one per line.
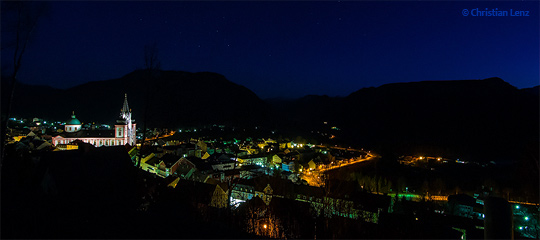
285, 49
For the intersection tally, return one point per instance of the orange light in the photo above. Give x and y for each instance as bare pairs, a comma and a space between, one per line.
264, 226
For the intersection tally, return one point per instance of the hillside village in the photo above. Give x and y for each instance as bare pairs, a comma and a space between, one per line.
248, 182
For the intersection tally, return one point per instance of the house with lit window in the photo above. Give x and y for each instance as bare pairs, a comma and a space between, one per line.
168, 164
162, 166
183, 150
260, 160
342, 199
149, 163
311, 165
195, 169
288, 165
124, 132
462, 205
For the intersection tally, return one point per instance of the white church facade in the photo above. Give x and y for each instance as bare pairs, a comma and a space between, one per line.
124, 131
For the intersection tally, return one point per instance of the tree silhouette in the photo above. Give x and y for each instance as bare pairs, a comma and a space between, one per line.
22, 20
152, 66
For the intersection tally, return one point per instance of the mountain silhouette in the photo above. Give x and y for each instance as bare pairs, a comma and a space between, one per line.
478, 120
170, 99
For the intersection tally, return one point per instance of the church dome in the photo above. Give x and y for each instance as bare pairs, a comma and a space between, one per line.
73, 124
73, 121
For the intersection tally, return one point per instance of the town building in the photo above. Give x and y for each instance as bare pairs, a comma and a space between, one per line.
124, 131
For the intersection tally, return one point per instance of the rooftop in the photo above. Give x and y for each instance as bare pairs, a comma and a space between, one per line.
89, 134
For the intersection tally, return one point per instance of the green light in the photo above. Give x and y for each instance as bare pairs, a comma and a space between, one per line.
526, 218
520, 228
517, 206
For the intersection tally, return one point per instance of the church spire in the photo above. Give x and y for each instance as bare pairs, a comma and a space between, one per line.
125, 109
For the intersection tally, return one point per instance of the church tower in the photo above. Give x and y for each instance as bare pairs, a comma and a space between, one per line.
125, 113
125, 128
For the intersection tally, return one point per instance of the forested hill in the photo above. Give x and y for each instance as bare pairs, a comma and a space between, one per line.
169, 99
481, 120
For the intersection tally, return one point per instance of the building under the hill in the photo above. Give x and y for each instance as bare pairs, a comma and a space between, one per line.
124, 131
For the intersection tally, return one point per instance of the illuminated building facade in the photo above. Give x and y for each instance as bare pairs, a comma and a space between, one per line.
124, 131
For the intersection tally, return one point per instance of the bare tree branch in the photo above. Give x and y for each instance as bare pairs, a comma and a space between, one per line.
27, 14
152, 66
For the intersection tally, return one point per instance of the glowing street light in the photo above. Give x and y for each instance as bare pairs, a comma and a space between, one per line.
264, 226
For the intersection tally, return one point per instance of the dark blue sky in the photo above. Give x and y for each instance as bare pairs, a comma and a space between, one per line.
286, 49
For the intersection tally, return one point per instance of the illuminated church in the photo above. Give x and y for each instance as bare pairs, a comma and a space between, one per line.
124, 131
